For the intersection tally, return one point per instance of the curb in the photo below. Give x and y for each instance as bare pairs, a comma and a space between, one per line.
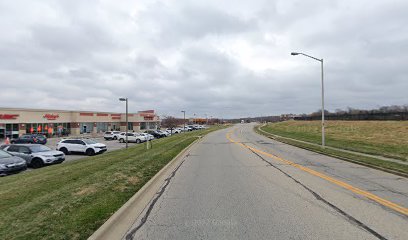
275, 137
120, 222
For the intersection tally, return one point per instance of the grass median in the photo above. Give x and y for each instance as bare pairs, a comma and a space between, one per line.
71, 200
383, 138
392, 143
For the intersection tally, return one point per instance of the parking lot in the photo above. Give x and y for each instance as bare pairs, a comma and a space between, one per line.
111, 145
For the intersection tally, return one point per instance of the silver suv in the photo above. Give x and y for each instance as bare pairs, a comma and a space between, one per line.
87, 146
36, 155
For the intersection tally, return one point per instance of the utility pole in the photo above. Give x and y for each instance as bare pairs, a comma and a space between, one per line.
184, 121
127, 122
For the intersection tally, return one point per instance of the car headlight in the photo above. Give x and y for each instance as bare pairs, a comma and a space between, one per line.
2, 166
48, 155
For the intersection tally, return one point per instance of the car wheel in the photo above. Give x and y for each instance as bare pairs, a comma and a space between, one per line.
64, 150
115, 138
90, 152
138, 141
37, 163
121, 140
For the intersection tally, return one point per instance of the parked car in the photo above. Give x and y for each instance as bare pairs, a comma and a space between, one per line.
147, 136
88, 146
173, 130
166, 134
186, 129
156, 133
132, 137
30, 138
35, 155
111, 135
11, 164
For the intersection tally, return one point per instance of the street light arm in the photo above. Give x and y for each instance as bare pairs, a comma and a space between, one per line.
320, 60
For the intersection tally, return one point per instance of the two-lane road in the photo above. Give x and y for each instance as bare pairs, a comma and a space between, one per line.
236, 184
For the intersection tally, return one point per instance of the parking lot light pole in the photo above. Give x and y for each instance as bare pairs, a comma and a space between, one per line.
321, 63
127, 122
184, 121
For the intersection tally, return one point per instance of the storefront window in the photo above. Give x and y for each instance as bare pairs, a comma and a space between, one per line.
86, 127
130, 126
11, 130
102, 127
142, 126
2, 132
152, 125
49, 129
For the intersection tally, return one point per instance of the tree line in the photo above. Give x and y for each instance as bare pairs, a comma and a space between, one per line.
394, 112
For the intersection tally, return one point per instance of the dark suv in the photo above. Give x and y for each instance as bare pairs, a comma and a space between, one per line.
156, 134
30, 138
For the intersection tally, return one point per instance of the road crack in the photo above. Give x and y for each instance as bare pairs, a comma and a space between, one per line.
131, 234
320, 198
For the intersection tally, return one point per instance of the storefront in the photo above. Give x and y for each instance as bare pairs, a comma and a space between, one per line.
14, 122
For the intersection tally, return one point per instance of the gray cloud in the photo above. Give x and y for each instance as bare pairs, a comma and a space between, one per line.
225, 59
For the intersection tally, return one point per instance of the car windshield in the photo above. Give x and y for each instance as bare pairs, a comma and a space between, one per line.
39, 148
89, 141
4, 154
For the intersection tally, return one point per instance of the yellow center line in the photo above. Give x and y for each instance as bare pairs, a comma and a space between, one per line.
347, 186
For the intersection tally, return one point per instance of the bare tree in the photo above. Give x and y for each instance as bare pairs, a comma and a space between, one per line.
170, 122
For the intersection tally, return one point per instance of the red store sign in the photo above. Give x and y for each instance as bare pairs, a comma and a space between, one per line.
51, 116
9, 116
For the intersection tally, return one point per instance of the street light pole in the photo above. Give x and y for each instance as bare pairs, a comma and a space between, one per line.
127, 122
322, 79
184, 121
323, 133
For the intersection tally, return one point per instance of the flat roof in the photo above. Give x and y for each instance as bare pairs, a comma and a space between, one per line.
66, 111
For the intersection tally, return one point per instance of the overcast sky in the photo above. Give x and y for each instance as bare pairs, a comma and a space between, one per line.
227, 58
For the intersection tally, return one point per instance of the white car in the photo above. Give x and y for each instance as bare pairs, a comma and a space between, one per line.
172, 131
147, 136
111, 135
164, 132
87, 146
132, 137
188, 129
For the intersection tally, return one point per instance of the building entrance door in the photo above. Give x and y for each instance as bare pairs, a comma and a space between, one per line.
2, 132
11, 131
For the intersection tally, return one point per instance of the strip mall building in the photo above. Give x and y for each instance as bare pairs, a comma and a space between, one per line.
15, 122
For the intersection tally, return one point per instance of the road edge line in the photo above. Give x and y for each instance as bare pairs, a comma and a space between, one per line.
120, 222
276, 138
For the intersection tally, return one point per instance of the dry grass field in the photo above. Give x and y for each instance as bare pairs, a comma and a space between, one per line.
384, 138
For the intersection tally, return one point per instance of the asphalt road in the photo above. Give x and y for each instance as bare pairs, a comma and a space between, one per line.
236, 184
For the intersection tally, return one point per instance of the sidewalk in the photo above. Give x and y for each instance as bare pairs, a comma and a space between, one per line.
337, 149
